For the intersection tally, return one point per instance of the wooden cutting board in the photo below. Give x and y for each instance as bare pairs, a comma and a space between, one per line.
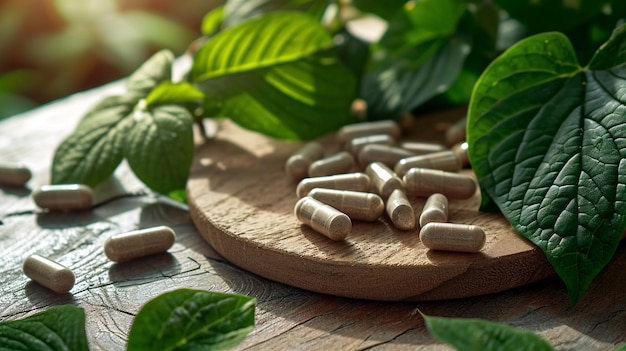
242, 203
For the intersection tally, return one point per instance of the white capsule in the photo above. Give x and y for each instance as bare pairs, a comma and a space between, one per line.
456, 132
386, 154
443, 160
297, 165
48, 273
349, 181
357, 205
14, 175
139, 243
64, 197
460, 150
352, 131
340, 162
357, 144
400, 211
323, 218
435, 209
384, 180
424, 182
421, 148
452, 237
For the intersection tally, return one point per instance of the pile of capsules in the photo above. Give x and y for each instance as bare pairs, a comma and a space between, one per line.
376, 173
78, 197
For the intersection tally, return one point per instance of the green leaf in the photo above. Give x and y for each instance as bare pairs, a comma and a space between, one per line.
173, 93
621, 347
547, 141
155, 70
239, 11
277, 75
93, 151
467, 334
159, 147
384, 9
58, 328
188, 319
213, 20
419, 56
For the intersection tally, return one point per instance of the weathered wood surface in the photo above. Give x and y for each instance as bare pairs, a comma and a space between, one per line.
287, 318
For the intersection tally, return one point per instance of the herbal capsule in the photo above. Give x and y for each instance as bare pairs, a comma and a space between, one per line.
348, 181
435, 209
384, 180
460, 150
443, 160
297, 165
452, 237
48, 273
14, 175
357, 205
323, 218
400, 210
352, 131
357, 144
139, 243
388, 155
456, 132
64, 197
420, 148
340, 162
424, 182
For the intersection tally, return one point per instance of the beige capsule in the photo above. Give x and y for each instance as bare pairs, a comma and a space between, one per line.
443, 160
356, 181
352, 131
423, 182
435, 209
139, 243
400, 211
357, 144
456, 132
357, 205
14, 175
384, 180
460, 150
64, 197
341, 162
422, 148
297, 165
323, 218
48, 273
453, 237
386, 154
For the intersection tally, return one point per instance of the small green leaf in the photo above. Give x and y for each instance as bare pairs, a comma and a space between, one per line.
188, 319
621, 347
59, 328
547, 142
173, 93
480, 335
93, 151
159, 147
213, 20
155, 70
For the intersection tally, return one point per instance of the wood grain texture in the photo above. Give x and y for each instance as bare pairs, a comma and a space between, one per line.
287, 318
242, 203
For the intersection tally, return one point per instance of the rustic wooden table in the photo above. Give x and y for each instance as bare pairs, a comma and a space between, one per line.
287, 318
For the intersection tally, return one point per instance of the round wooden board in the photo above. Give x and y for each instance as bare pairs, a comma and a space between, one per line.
242, 203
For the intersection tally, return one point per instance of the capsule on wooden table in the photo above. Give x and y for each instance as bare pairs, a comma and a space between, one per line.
48, 273
386, 154
356, 181
435, 209
14, 175
456, 133
357, 205
341, 162
421, 148
352, 131
443, 160
460, 150
384, 180
323, 218
453, 237
139, 243
297, 165
400, 211
64, 197
357, 144
423, 182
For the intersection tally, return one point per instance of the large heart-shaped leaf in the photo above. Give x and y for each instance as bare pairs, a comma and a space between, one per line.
547, 141
277, 75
